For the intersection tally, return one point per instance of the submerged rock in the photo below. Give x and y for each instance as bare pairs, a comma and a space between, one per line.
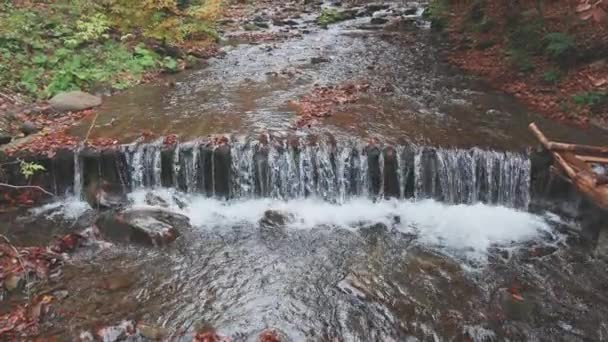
74, 101
274, 218
149, 227
378, 21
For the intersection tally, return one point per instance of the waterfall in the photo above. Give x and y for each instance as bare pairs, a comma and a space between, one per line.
77, 174
332, 171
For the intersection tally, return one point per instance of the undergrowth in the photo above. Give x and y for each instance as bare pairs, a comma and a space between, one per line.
46, 48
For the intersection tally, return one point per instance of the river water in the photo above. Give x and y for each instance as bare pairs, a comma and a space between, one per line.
427, 235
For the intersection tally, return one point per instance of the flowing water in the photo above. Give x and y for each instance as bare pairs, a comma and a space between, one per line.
409, 215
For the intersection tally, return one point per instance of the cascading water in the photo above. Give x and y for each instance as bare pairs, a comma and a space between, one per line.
334, 172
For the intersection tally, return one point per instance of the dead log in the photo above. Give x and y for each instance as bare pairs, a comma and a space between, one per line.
585, 182
593, 159
559, 147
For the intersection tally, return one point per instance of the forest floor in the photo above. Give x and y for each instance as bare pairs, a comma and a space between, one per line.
554, 63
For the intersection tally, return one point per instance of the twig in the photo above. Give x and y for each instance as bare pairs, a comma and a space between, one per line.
18, 256
11, 162
91, 127
27, 187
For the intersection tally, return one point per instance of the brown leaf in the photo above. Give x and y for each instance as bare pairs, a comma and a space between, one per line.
583, 7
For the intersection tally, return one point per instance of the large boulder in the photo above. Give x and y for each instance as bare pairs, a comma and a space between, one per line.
74, 101
148, 227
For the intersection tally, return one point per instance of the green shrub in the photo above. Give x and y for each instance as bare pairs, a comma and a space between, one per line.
560, 47
526, 36
520, 59
437, 12
591, 98
485, 44
81, 44
551, 77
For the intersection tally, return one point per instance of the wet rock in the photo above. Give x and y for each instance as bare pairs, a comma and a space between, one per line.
100, 195
261, 24
274, 218
29, 128
410, 11
371, 8
149, 227
5, 138
319, 60
378, 21
369, 27
155, 200
152, 332
74, 101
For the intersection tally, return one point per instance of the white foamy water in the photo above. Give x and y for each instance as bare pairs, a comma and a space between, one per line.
469, 229
70, 208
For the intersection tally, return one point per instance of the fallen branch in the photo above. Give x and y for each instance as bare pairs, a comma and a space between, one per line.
557, 146
91, 127
18, 256
27, 187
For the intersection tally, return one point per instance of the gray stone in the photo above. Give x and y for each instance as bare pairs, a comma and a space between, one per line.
29, 128
74, 101
5, 138
148, 227
319, 60
378, 21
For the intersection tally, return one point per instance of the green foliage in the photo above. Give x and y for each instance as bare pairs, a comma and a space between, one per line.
485, 44
520, 59
437, 13
560, 47
591, 98
168, 21
526, 36
28, 169
551, 77
329, 16
74, 44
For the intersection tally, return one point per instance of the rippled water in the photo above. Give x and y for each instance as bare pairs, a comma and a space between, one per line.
356, 271
352, 266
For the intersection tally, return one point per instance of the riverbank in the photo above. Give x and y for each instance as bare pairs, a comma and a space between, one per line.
50, 48
552, 61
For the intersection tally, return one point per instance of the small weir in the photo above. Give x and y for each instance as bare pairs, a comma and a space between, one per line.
300, 168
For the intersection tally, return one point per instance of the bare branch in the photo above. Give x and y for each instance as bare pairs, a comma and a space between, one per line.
18, 256
27, 187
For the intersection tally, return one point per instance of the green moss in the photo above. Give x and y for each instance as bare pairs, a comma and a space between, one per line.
329, 16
